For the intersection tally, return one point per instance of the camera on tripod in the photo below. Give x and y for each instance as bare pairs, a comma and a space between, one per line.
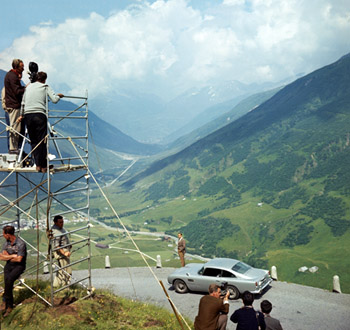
33, 72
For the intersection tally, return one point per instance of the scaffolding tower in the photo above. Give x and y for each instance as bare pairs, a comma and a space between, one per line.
31, 199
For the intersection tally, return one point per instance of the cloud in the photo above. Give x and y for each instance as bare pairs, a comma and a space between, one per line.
234, 2
169, 46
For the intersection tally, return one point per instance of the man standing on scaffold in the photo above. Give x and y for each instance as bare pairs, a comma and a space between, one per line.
62, 252
13, 97
33, 109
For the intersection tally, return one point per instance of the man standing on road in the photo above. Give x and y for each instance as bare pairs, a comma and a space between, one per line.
14, 252
181, 249
13, 97
212, 311
62, 252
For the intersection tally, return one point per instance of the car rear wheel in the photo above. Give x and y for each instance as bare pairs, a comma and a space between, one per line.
234, 293
180, 286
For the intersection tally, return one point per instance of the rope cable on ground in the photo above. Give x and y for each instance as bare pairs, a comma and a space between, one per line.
37, 258
126, 230
98, 161
106, 188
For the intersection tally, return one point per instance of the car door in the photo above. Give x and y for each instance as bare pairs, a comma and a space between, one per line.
240, 283
206, 277
229, 277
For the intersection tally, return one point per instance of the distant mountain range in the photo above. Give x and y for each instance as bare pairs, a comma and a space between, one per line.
271, 187
150, 119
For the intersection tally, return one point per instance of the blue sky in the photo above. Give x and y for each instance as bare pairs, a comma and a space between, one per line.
165, 47
15, 23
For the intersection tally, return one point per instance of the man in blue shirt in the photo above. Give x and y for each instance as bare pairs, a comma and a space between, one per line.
14, 252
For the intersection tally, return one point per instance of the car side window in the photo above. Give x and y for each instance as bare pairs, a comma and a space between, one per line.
225, 273
212, 272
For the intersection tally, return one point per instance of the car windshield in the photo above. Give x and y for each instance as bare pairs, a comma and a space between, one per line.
241, 267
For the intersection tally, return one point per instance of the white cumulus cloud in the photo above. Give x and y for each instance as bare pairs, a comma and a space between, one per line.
169, 46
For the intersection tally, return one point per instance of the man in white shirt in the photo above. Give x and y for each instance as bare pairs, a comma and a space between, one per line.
62, 252
33, 110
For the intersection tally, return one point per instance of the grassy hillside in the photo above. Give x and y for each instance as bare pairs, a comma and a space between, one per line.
271, 188
121, 251
103, 311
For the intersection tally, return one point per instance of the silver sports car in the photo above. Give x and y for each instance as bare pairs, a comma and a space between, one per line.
239, 276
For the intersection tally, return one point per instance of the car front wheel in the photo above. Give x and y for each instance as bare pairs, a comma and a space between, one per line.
180, 286
234, 293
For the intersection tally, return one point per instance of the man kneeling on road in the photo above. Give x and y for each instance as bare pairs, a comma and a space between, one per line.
212, 311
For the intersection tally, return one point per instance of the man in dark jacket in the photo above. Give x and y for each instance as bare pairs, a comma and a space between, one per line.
246, 317
13, 97
212, 311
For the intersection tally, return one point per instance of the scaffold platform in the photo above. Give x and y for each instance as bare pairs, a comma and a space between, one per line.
32, 169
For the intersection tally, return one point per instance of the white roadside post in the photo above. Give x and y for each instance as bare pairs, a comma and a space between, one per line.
159, 261
107, 263
274, 273
336, 284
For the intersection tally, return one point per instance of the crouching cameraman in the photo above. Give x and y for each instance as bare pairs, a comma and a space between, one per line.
212, 311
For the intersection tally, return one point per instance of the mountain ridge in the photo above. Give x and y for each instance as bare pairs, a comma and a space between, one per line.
243, 125
277, 176
244, 106
150, 119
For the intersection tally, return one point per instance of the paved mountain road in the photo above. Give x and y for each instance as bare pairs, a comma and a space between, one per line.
297, 307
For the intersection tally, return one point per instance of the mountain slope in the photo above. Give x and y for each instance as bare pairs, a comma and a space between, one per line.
308, 99
271, 186
244, 106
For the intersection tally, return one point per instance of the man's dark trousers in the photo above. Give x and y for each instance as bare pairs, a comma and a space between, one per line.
12, 272
37, 130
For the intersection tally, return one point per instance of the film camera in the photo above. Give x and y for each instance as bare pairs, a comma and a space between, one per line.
28, 162
223, 288
33, 72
